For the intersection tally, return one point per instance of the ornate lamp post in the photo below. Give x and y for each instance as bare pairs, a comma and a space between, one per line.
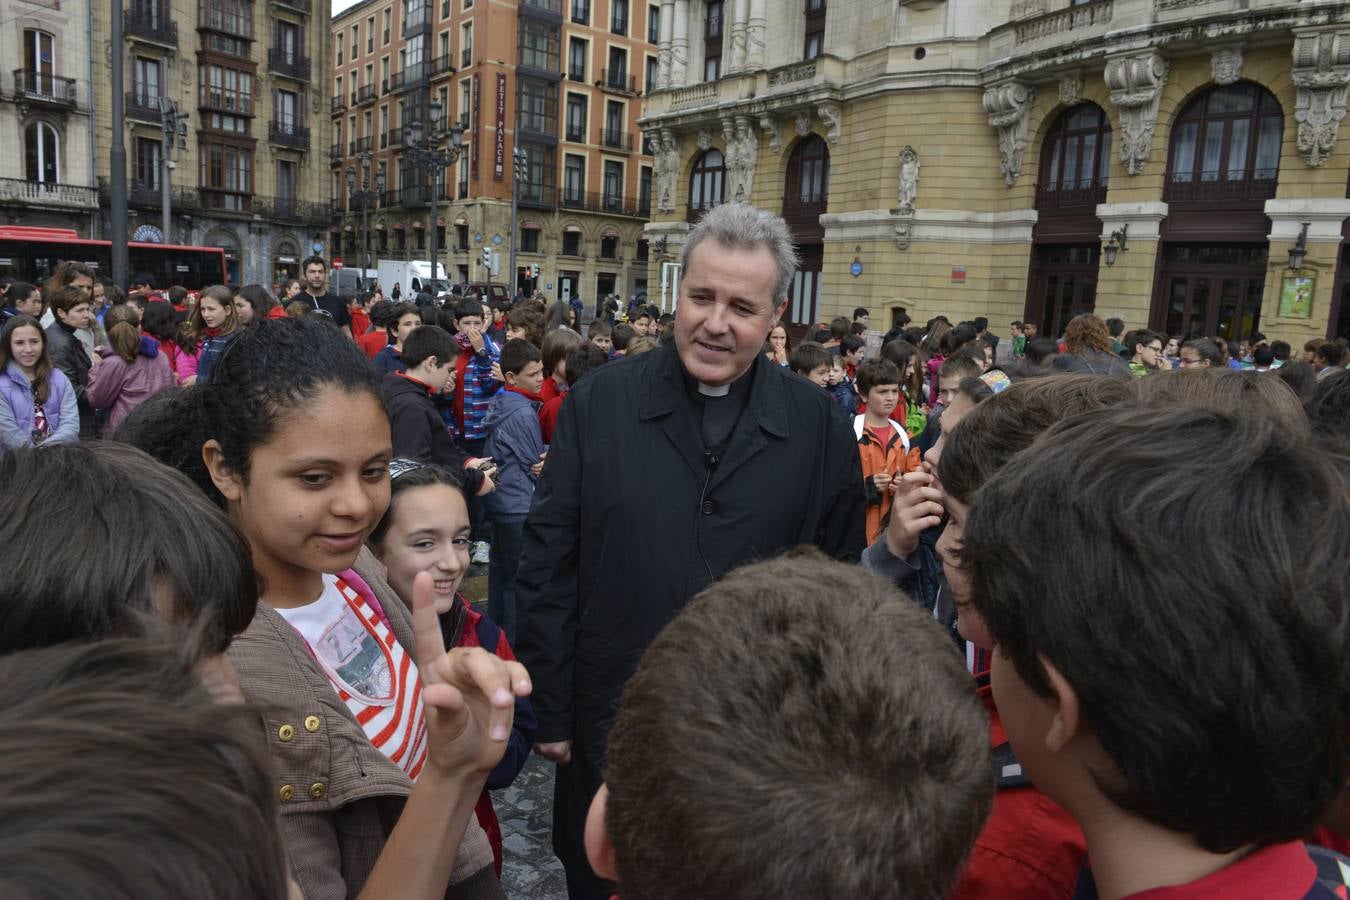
365, 196
432, 159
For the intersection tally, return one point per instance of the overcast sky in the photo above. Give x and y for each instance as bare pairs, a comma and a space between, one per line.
340, 5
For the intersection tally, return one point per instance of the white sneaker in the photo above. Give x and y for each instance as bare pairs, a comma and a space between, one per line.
481, 552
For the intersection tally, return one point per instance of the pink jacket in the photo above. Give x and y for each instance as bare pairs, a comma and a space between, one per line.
119, 387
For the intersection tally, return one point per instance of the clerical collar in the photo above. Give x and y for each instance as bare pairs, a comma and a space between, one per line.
709, 390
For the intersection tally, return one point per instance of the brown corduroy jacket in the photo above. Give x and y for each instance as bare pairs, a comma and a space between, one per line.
339, 796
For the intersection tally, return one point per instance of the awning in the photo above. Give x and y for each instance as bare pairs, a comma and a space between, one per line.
610, 231
419, 224
531, 225
461, 219
572, 229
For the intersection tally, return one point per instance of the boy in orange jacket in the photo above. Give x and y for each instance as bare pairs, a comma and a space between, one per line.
883, 443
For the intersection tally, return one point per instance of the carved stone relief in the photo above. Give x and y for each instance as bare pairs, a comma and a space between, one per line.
909, 177
803, 122
1225, 64
774, 130
1322, 75
1070, 88
1136, 85
1008, 106
667, 171
832, 117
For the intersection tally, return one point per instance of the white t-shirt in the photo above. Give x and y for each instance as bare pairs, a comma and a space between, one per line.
369, 668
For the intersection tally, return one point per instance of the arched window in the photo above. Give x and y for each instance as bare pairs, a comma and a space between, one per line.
41, 153
707, 183
1075, 158
1226, 145
808, 175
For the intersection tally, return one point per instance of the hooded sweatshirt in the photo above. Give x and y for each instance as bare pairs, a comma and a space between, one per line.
418, 431
119, 387
514, 441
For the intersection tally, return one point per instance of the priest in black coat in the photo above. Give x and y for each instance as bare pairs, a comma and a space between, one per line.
667, 471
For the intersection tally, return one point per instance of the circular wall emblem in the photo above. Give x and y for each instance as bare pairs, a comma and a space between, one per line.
148, 234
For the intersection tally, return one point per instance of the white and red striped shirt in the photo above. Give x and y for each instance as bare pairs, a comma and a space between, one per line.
371, 671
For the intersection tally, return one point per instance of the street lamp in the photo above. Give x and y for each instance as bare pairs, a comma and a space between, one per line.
173, 127
1299, 251
1116, 244
365, 196
433, 160
520, 174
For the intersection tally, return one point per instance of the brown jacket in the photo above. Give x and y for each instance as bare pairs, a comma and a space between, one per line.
339, 796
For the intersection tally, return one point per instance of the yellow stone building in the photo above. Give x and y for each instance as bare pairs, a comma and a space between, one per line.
1155, 160
249, 171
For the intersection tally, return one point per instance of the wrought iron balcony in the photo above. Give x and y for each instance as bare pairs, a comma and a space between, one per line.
335, 153
595, 201
289, 209
288, 134
617, 81
288, 62
151, 22
143, 106
41, 88
442, 65
616, 140
216, 15
365, 94
338, 105
359, 145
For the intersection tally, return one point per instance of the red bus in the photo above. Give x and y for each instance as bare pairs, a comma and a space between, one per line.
32, 254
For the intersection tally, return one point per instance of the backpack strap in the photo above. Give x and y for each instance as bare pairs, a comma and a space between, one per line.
1007, 769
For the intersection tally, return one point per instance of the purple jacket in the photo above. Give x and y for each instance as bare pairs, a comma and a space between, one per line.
119, 386
16, 409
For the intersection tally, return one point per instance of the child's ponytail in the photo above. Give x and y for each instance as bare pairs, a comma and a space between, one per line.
124, 336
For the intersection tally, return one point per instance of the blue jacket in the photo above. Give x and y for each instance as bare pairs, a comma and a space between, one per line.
16, 409
515, 443
389, 360
210, 351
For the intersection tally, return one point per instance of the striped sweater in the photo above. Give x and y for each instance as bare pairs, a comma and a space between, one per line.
474, 388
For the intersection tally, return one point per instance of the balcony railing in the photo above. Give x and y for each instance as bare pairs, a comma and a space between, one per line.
617, 140
303, 6
396, 137
236, 20
143, 106
1098, 12
18, 190
365, 94
617, 81
465, 57
442, 65
1070, 194
1211, 188
335, 153
338, 104
288, 134
595, 201
288, 62
223, 200
38, 87
151, 22
360, 145
232, 102
290, 209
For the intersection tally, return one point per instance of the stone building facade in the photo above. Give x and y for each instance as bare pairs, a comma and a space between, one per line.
249, 173
1154, 160
560, 80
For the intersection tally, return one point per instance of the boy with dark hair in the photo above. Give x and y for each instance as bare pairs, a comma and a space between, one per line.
1200, 353
851, 350
1281, 349
642, 323
582, 360
877, 693
883, 443
474, 384
1329, 359
1146, 352
400, 319
621, 337
1139, 716
516, 444
600, 332
1263, 358
1019, 340
415, 423
111, 731
1115, 327
953, 369
811, 361
839, 329
861, 316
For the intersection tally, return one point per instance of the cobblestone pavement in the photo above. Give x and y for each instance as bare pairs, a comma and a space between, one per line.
530, 871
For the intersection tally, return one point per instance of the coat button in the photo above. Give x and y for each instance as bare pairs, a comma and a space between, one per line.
286, 733
286, 793
316, 790
709, 507
311, 724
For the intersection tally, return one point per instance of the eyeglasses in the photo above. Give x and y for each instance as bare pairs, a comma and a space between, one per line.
1186, 363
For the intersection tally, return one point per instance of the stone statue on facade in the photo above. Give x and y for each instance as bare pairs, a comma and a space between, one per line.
909, 177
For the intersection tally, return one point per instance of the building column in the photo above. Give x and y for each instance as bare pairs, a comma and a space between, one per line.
679, 45
666, 33
735, 52
1324, 217
754, 35
1126, 288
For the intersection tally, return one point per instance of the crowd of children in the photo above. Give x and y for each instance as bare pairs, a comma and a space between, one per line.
1095, 647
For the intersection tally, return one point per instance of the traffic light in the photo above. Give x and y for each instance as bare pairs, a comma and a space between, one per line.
534, 271
487, 257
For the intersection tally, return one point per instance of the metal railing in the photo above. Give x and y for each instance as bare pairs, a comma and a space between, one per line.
365, 94
618, 81
338, 104
226, 16
151, 21
288, 134
39, 87
143, 106
360, 145
616, 140
288, 62
597, 201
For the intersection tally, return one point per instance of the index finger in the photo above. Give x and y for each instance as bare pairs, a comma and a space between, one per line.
430, 643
